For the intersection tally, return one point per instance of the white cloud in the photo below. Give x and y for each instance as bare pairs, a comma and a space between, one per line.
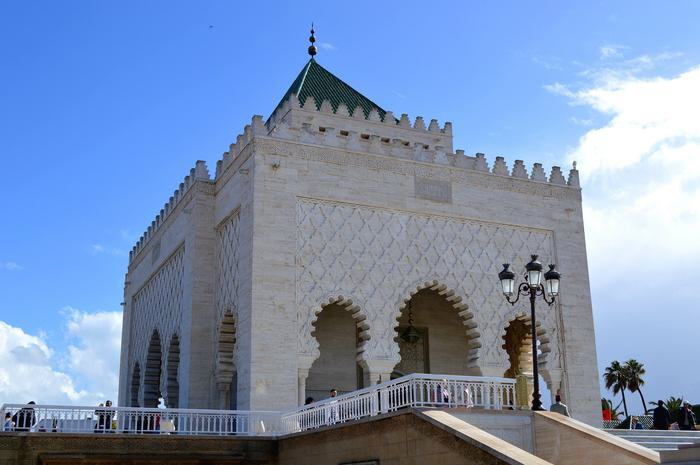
582, 121
101, 249
327, 46
550, 63
10, 266
641, 186
27, 372
639, 171
30, 369
611, 51
93, 356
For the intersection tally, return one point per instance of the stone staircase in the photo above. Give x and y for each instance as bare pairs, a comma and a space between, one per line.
658, 440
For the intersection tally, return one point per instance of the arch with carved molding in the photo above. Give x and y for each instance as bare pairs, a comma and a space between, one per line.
225, 357
525, 350
153, 372
172, 386
457, 302
360, 322
135, 385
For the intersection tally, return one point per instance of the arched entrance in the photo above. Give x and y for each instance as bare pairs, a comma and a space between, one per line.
336, 367
226, 379
135, 385
172, 399
435, 334
151, 382
517, 342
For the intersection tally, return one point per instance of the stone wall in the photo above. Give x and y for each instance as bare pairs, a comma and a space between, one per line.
397, 440
332, 224
106, 449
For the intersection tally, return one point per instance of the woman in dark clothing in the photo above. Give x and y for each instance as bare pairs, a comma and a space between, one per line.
662, 418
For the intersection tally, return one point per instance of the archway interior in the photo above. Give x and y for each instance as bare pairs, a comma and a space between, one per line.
226, 369
443, 346
151, 387
517, 342
135, 385
173, 388
336, 367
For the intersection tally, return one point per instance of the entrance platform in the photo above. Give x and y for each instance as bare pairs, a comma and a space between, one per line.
407, 436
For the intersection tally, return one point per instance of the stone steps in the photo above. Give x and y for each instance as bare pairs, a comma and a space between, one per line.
658, 440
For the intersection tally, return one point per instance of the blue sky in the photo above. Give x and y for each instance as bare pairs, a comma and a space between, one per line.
104, 107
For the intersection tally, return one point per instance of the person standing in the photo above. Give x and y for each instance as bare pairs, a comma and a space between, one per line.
333, 416
104, 418
662, 417
559, 408
635, 424
686, 417
9, 425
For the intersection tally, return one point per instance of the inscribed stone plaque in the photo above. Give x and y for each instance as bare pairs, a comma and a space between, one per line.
432, 189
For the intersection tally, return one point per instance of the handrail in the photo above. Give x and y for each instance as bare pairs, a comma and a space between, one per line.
414, 390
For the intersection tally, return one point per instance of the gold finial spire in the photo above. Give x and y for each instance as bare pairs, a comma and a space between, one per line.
312, 39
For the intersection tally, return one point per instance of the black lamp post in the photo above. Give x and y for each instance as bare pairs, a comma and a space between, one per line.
533, 287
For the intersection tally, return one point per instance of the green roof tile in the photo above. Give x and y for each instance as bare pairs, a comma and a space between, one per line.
316, 81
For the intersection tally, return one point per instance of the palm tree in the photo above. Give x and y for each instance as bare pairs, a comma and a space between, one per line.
634, 372
615, 377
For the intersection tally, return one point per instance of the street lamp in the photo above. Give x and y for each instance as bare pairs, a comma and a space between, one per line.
533, 287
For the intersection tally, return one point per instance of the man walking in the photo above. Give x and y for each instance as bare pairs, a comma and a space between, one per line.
686, 417
662, 417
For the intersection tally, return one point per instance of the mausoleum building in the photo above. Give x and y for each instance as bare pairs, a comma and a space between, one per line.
338, 245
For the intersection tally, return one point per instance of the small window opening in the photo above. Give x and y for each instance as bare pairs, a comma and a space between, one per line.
365, 136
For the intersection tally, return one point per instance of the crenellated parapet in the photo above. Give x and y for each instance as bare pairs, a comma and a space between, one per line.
200, 172
291, 115
255, 128
390, 136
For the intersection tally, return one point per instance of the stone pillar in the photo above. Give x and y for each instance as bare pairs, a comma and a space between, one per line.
224, 390
301, 384
377, 371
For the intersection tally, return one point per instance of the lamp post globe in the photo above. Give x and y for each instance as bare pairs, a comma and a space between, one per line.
507, 278
533, 272
551, 281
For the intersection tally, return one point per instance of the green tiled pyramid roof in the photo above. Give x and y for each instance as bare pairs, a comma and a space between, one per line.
316, 81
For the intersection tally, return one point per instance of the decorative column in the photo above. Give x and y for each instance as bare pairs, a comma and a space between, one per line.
303, 373
224, 389
377, 371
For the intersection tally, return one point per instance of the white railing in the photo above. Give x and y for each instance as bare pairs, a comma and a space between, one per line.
136, 420
415, 390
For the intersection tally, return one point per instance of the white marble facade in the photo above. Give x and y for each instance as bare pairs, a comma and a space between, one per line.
317, 207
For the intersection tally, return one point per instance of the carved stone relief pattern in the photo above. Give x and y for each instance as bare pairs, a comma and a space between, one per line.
156, 306
228, 272
377, 257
